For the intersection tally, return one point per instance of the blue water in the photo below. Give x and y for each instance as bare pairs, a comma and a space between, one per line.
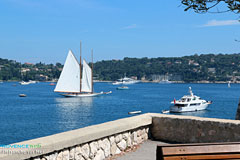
44, 112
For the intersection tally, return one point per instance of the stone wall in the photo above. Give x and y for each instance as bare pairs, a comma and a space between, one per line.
102, 148
187, 129
95, 142
102, 141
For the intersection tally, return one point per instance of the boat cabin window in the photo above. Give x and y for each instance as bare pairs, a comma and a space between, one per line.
183, 99
188, 99
195, 104
180, 105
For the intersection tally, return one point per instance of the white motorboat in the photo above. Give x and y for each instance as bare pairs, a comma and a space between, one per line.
189, 103
24, 83
135, 112
32, 82
165, 82
125, 80
29, 82
76, 80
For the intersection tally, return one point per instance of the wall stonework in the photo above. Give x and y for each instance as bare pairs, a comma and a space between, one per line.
89, 143
102, 148
188, 129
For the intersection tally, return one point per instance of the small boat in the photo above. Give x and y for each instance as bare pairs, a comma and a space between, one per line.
165, 82
135, 112
229, 84
22, 95
76, 80
32, 82
165, 111
122, 88
189, 103
24, 83
52, 84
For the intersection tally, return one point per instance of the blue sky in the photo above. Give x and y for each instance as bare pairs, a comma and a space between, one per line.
44, 30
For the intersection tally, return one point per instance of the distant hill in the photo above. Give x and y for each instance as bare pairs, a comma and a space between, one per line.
195, 68
12, 70
205, 67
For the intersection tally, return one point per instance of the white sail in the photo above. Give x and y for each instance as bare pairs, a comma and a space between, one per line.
86, 78
69, 80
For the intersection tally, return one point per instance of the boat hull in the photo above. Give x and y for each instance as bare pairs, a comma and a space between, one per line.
84, 94
175, 109
126, 82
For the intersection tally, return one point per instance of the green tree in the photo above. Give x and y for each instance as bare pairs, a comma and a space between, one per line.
203, 6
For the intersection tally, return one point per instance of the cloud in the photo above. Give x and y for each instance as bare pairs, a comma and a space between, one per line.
221, 23
132, 26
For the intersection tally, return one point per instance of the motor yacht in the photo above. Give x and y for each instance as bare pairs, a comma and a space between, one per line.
189, 103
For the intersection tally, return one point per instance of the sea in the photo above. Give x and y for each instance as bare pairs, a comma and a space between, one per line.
44, 112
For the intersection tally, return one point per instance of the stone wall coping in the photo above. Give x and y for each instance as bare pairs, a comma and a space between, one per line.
72, 138
189, 129
194, 118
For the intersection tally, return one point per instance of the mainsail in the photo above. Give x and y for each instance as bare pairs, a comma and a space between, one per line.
86, 78
69, 80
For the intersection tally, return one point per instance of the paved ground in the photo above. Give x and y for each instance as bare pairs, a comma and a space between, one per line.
146, 151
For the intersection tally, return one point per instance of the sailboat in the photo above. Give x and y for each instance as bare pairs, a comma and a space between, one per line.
70, 82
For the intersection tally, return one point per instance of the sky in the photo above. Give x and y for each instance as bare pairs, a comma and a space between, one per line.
44, 30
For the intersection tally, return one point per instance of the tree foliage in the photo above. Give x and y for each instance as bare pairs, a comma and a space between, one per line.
203, 6
12, 70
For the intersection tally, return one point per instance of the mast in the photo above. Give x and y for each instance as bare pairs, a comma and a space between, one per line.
80, 66
92, 70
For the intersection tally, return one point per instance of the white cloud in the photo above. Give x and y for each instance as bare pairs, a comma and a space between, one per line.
132, 26
221, 23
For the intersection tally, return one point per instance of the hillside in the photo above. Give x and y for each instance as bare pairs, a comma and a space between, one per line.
205, 67
12, 70
208, 67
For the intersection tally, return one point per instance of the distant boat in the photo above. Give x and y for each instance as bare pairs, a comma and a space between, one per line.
125, 81
70, 81
32, 82
165, 111
22, 95
135, 112
122, 88
52, 84
229, 84
24, 83
165, 82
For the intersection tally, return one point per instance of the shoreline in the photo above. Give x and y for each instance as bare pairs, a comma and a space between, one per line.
174, 82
